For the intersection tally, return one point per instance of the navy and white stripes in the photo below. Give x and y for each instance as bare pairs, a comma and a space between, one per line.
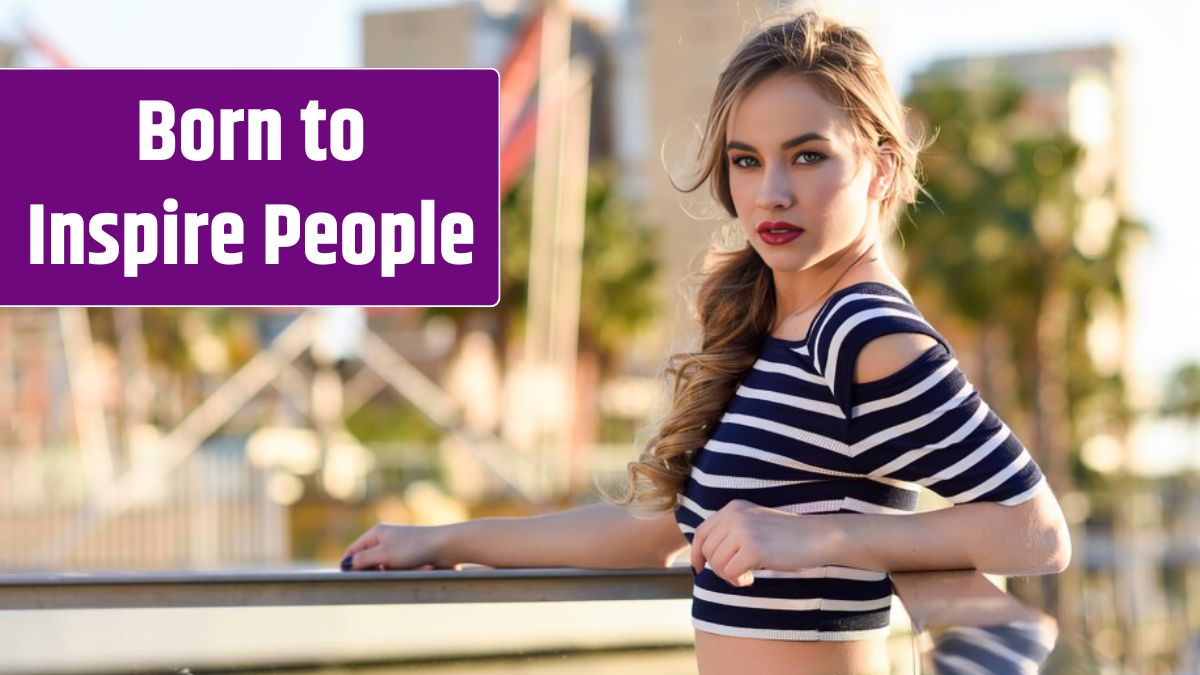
800, 436
1016, 648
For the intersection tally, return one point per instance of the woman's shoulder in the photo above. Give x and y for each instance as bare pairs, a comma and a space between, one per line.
887, 353
864, 288
871, 331
856, 301
874, 313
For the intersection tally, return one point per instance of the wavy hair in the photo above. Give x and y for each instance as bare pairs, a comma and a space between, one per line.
735, 304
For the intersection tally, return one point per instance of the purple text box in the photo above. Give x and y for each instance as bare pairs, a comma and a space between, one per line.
429, 139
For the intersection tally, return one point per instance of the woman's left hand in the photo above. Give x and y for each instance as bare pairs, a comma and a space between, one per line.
743, 537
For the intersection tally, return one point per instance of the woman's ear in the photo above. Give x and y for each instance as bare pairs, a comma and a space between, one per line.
885, 171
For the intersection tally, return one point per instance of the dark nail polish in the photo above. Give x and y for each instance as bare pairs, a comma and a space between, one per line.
348, 563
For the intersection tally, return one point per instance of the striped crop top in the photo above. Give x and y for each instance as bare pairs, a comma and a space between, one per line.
799, 436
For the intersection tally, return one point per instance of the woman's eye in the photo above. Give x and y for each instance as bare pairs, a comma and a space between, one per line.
746, 161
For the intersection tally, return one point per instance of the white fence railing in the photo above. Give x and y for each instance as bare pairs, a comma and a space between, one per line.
212, 511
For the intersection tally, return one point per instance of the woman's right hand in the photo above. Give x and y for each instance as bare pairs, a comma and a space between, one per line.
395, 547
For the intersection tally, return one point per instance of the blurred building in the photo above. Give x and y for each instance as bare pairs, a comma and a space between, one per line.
472, 34
669, 55
469, 35
1078, 90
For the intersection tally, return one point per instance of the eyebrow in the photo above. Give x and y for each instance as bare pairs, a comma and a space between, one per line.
802, 138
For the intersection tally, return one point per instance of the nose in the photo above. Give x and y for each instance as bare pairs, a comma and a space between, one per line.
775, 192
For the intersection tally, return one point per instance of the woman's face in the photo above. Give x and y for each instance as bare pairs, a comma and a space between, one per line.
792, 166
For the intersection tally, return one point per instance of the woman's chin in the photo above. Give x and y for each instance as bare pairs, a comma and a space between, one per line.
786, 263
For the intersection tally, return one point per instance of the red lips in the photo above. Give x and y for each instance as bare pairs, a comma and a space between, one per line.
777, 225
784, 232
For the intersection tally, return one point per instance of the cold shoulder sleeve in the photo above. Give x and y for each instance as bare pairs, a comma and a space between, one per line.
926, 423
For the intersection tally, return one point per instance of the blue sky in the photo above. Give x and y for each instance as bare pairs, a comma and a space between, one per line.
1163, 99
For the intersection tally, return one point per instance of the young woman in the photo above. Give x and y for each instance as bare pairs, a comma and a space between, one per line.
819, 401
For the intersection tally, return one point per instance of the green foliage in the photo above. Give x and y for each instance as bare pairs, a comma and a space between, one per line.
1182, 399
617, 294
620, 268
999, 237
383, 420
614, 429
977, 248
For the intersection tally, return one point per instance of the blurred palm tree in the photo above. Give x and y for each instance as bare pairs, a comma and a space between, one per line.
997, 251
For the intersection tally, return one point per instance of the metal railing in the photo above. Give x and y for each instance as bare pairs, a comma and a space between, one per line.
261, 588
961, 622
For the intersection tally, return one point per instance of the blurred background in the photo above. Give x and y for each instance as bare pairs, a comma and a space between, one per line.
1059, 260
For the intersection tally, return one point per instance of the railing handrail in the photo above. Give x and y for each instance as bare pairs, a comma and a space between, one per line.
929, 597
962, 598
321, 586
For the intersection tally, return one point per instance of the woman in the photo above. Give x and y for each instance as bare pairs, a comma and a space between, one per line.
819, 400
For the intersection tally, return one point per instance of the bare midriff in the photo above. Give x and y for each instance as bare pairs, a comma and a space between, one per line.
725, 655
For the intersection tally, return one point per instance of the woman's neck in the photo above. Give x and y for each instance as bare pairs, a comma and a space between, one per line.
805, 289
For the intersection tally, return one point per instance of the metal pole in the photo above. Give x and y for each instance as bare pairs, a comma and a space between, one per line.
91, 428
547, 167
567, 266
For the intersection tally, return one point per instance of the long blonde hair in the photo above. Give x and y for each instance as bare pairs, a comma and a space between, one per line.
735, 304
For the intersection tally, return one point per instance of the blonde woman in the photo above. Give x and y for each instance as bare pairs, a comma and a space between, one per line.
819, 403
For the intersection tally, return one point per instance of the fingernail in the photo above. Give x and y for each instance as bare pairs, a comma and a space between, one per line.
348, 563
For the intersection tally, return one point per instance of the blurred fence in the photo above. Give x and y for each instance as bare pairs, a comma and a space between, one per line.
212, 510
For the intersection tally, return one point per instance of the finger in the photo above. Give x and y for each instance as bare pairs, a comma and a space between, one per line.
720, 557
741, 569
698, 539
695, 557
366, 540
714, 544
369, 559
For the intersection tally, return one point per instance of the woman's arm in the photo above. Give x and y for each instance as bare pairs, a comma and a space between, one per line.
978, 466
1024, 539
593, 536
1028, 538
